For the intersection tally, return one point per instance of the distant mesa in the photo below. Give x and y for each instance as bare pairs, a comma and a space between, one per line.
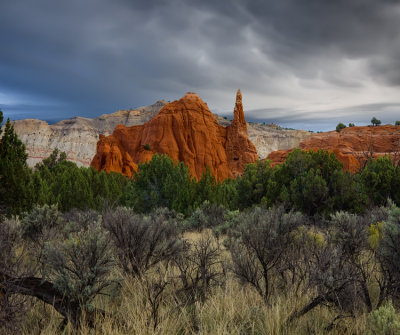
186, 131
352, 146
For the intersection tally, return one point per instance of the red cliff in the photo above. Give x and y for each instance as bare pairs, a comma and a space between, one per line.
352, 146
186, 131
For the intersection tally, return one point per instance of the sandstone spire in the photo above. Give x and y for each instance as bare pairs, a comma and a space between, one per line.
238, 115
238, 146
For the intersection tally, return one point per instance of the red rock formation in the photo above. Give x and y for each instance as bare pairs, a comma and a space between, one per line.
352, 145
186, 131
238, 143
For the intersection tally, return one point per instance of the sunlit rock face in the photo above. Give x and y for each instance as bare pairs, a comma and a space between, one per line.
186, 131
352, 145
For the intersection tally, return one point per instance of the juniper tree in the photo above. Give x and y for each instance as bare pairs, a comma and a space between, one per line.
15, 184
375, 121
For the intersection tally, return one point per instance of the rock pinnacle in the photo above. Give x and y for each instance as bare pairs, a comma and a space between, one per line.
238, 115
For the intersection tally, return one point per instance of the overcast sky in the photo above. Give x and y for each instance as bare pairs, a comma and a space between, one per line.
299, 63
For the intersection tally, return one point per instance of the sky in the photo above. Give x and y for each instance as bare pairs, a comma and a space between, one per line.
305, 64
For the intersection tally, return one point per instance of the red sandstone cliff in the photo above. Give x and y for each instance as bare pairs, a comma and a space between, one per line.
352, 146
186, 131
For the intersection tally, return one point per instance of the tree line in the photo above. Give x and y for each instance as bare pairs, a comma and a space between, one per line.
312, 182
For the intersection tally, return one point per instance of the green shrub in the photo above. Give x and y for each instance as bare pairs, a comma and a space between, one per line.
160, 183
40, 219
253, 184
80, 265
206, 216
340, 126
397, 123
214, 216
147, 147
312, 182
231, 221
375, 121
384, 321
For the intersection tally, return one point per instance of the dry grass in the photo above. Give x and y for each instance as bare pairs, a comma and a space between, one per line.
231, 309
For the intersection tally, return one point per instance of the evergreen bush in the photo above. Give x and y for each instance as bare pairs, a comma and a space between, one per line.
384, 321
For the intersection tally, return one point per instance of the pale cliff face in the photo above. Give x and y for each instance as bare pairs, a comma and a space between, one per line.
78, 136
268, 138
75, 137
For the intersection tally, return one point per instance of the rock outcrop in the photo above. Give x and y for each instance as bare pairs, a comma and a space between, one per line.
78, 136
352, 146
186, 131
270, 137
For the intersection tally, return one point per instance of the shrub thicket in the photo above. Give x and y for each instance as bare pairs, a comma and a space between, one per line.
348, 263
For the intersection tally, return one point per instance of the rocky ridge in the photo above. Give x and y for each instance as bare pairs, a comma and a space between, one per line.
352, 145
186, 131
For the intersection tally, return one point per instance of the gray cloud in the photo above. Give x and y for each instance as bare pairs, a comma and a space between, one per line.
324, 120
303, 59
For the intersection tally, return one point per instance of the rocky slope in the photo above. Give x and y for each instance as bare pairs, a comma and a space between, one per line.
77, 136
352, 146
186, 131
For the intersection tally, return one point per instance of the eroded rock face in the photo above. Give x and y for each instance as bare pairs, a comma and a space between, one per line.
186, 131
77, 137
352, 145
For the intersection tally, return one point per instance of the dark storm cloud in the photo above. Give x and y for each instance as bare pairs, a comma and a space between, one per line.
92, 57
